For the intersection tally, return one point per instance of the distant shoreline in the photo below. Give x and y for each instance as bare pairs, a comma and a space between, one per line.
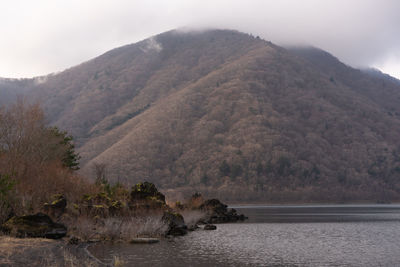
289, 204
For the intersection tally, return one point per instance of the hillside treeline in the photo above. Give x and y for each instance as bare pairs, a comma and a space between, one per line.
230, 115
36, 161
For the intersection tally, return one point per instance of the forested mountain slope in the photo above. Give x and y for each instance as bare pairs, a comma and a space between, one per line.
233, 116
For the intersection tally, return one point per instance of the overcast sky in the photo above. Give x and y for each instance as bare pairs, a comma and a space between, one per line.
43, 36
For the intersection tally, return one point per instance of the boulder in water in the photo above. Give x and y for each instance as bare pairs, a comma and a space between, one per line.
144, 240
217, 212
175, 222
210, 227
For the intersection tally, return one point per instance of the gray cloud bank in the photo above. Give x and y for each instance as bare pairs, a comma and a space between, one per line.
39, 37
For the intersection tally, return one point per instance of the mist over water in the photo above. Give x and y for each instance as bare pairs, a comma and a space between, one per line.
334, 235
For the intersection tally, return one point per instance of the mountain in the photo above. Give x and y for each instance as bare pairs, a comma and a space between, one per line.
232, 116
11, 89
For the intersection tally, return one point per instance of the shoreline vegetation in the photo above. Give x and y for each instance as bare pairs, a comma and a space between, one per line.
41, 196
145, 217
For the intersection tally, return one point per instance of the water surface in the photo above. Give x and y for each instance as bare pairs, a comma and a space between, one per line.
310, 235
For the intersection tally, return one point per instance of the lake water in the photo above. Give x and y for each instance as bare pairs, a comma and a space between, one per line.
309, 235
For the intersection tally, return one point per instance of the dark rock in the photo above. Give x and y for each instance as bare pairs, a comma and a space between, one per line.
242, 217
146, 191
37, 225
57, 207
193, 227
215, 205
175, 222
143, 240
217, 212
210, 227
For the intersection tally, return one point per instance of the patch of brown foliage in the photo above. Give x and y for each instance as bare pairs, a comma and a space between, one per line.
32, 157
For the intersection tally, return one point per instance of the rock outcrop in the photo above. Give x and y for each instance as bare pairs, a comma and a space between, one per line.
37, 225
57, 207
210, 227
175, 222
217, 212
146, 196
146, 191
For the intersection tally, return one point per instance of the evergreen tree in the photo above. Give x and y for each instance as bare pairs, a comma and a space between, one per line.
70, 158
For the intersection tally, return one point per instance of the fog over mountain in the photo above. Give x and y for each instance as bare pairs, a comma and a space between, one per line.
40, 37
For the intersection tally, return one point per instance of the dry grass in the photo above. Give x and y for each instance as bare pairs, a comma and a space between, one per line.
118, 262
70, 260
13, 244
118, 228
150, 226
39, 252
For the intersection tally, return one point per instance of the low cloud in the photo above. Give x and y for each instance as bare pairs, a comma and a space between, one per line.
151, 44
39, 37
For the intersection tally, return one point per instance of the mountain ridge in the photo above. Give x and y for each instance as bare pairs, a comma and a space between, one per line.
233, 116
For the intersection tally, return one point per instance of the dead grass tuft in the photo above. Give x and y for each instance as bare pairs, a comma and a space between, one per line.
118, 228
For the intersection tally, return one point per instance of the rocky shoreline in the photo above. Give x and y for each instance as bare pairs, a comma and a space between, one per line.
105, 214
142, 215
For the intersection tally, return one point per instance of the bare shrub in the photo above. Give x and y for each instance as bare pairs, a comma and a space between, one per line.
83, 227
36, 156
6, 196
118, 228
112, 228
150, 226
128, 228
99, 170
195, 201
4, 211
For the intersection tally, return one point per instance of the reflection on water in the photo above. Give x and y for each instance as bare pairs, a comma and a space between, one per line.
340, 235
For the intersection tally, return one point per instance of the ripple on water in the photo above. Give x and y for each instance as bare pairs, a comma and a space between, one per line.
349, 243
